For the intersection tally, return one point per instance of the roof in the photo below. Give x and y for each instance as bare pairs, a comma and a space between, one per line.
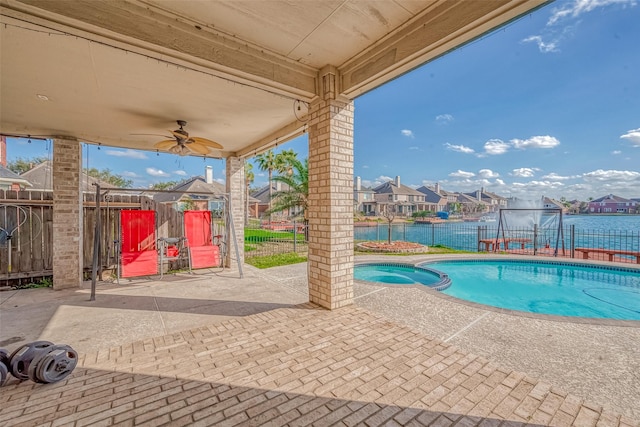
611, 198
10, 177
391, 188
41, 177
431, 196
466, 198
236, 71
261, 195
196, 184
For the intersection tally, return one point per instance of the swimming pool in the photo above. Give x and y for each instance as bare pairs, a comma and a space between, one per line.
401, 274
563, 289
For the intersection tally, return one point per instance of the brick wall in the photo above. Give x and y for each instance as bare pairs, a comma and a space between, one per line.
67, 214
236, 188
330, 260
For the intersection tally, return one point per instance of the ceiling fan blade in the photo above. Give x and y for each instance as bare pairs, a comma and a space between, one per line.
164, 145
198, 148
150, 134
206, 142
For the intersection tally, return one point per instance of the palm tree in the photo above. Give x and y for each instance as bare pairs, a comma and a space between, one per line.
296, 188
270, 161
249, 177
267, 162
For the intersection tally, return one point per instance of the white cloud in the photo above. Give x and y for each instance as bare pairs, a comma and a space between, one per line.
130, 174
462, 174
407, 133
459, 148
365, 167
157, 172
524, 172
568, 14
611, 175
376, 181
633, 136
495, 147
616, 152
181, 173
444, 118
543, 46
554, 176
488, 173
576, 8
500, 182
131, 154
545, 141
538, 186
414, 148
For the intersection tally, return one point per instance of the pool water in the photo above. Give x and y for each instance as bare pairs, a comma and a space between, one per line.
395, 274
549, 288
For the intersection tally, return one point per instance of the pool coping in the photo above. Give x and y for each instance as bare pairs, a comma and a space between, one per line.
549, 317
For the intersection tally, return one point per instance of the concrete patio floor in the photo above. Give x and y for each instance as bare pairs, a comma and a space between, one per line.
213, 349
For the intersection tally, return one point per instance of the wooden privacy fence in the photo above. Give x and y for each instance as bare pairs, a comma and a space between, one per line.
26, 230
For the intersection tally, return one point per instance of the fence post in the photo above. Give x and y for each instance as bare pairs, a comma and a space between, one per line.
572, 232
433, 234
377, 231
404, 232
535, 239
295, 237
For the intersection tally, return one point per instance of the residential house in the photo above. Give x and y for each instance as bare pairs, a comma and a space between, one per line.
549, 203
434, 200
262, 202
613, 204
493, 202
363, 198
405, 199
9, 180
197, 193
469, 204
41, 176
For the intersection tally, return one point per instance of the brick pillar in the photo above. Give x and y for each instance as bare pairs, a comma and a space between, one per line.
330, 260
67, 214
236, 190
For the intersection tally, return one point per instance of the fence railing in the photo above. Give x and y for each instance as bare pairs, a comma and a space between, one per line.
26, 230
276, 238
540, 241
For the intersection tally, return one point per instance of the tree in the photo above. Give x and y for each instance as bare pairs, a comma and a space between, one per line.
269, 161
296, 192
249, 177
389, 212
21, 165
164, 185
107, 176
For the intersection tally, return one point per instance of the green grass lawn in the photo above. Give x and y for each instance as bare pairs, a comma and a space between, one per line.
258, 235
276, 260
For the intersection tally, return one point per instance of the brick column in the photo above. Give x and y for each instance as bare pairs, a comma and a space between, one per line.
236, 190
67, 214
330, 260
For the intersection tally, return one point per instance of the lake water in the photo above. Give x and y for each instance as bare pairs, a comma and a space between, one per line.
595, 231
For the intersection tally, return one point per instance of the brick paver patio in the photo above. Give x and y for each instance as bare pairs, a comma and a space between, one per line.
296, 366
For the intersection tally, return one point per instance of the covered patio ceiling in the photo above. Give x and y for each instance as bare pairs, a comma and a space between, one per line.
120, 73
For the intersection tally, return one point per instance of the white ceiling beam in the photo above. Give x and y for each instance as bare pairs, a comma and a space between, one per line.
171, 36
446, 25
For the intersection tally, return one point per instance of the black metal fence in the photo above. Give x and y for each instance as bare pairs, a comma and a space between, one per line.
276, 238
566, 241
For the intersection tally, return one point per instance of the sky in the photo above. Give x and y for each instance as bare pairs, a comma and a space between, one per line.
548, 105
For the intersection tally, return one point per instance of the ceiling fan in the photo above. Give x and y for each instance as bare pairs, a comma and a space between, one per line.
183, 144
